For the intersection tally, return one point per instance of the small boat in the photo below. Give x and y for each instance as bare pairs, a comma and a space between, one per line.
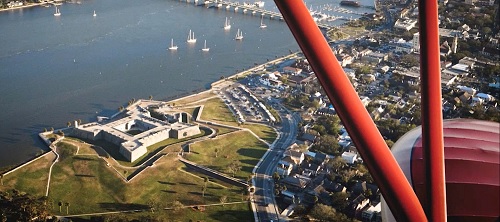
227, 25
191, 38
94, 14
239, 35
205, 49
172, 46
262, 25
58, 13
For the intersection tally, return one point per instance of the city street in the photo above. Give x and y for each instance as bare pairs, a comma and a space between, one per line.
264, 186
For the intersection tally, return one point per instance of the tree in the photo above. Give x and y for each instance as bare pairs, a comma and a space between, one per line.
68, 123
234, 167
486, 30
176, 206
223, 200
150, 97
276, 176
216, 152
323, 212
60, 205
20, 206
339, 200
203, 189
153, 204
1, 179
205, 181
337, 164
67, 207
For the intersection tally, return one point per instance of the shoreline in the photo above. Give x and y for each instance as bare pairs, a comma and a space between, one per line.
24, 6
213, 85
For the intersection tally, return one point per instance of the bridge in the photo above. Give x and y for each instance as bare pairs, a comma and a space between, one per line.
245, 9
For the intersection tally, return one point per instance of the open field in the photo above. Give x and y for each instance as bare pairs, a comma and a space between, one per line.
215, 110
229, 212
192, 99
264, 132
31, 178
240, 146
88, 176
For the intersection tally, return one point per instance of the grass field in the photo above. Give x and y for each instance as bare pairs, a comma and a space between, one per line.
264, 132
229, 212
237, 146
192, 99
88, 176
31, 178
215, 110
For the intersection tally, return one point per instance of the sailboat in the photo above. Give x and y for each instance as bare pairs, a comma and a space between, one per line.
262, 25
239, 35
205, 49
172, 46
58, 13
191, 38
94, 14
227, 25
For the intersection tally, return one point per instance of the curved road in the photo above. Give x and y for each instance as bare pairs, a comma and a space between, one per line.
264, 187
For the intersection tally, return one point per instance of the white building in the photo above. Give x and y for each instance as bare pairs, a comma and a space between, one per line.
405, 24
349, 157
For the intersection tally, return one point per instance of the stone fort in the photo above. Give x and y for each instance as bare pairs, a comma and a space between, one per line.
136, 130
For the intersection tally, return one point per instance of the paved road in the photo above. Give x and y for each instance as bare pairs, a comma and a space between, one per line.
264, 187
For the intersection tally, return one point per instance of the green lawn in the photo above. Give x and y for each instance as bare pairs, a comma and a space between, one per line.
88, 176
264, 132
31, 178
238, 146
215, 110
229, 212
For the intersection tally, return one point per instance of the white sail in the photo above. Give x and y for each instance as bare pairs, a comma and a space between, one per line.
262, 25
239, 35
58, 13
191, 38
172, 46
205, 49
227, 25
94, 14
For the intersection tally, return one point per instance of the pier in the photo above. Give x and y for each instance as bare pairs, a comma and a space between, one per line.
249, 9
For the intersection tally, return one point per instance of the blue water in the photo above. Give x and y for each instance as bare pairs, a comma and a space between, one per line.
76, 66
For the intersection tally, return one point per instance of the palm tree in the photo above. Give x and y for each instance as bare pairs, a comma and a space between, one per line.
1, 179
68, 123
216, 151
223, 200
150, 97
203, 189
67, 206
205, 180
60, 205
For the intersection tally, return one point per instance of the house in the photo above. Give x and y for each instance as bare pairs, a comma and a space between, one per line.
320, 158
344, 59
292, 70
350, 158
285, 166
372, 213
308, 137
296, 182
357, 204
296, 156
375, 57
310, 169
332, 186
405, 24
